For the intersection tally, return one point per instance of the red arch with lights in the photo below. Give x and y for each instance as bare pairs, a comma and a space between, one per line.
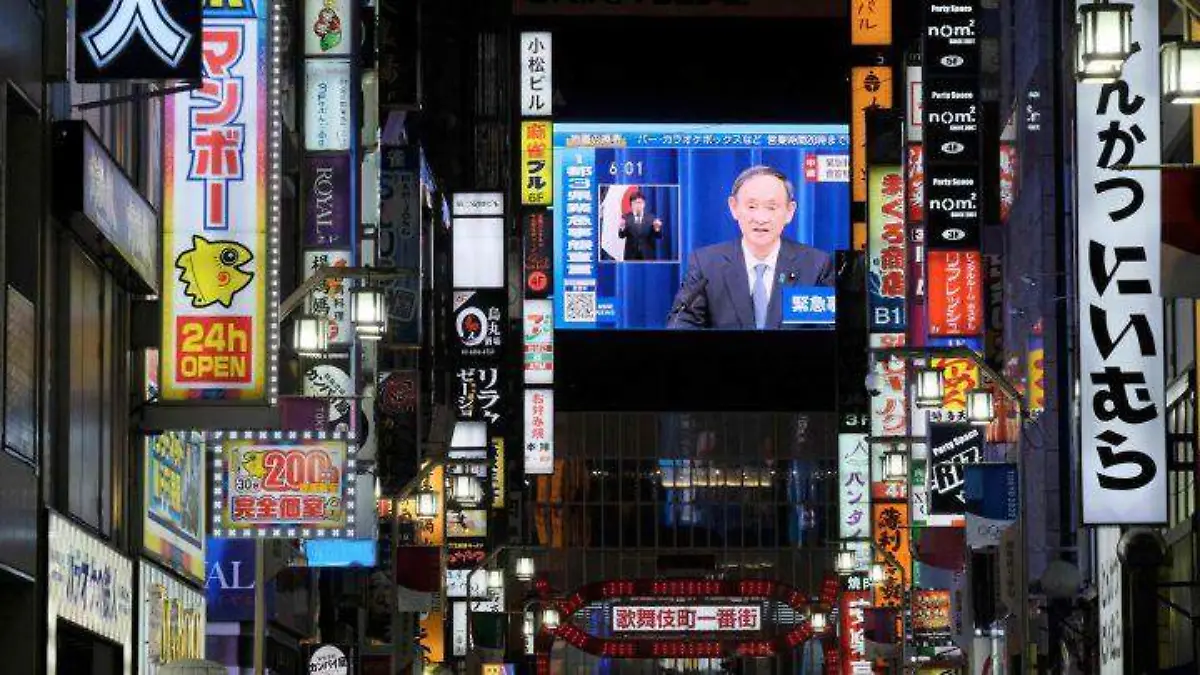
673, 589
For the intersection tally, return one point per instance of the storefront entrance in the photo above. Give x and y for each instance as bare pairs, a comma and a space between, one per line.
81, 652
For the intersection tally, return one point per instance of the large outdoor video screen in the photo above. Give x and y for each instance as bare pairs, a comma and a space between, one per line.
713, 226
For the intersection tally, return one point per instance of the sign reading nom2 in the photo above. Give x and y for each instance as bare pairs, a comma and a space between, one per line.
215, 236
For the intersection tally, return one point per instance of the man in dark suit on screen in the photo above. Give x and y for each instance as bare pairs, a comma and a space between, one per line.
738, 284
640, 230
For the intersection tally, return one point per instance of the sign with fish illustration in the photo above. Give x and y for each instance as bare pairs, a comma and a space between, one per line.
217, 245
279, 485
326, 27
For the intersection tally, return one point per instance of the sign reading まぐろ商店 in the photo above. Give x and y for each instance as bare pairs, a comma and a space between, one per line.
216, 303
1123, 470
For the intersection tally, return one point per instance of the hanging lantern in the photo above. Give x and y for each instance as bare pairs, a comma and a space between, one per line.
845, 561
817, 620
980, 408
525, 569
368, 311
495, 580
878, 573
426, 505
930, 387
310, 335
1105, 40
550, 618
467, 490
895, 463
1180, 65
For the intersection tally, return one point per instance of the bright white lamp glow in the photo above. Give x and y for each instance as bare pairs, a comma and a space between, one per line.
310, 335
426, 504
550, 618
844, 561
930, 387
878, 574
467, 490
1105, 40
980, 408
817, 621
1180, 65
525, 569
368, 311
495, 580
895, 463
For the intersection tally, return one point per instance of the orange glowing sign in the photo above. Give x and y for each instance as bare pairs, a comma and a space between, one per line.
959, 376
870, 86
871, 22
890, 534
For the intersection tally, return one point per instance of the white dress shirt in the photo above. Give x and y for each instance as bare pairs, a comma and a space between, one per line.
752, 262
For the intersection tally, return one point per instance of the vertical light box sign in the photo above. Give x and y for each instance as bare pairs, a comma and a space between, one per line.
537, 81
327, 115
478, 240
219, 336
539, 432
887, 262
537, 152
1124, 471
539, 342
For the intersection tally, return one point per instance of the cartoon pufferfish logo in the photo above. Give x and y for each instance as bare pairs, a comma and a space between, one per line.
212, 271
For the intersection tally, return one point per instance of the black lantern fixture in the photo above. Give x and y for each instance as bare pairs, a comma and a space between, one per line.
1105, 40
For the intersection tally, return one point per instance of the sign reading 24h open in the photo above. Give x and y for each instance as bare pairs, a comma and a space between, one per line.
271, 486
215, 297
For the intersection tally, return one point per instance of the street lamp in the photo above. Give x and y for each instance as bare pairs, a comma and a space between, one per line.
524, 569
467, 490
426, 505
979, 406
310, 335
368, 311
495, 580
1180, 65
550, 618
845, 561
895, 463
817, 621
931, 387
1105, 40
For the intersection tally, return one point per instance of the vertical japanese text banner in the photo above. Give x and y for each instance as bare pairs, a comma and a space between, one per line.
871, 22
870, 86
215, 233
537, 78
887, 260
891, 534
1123, 470
537, 176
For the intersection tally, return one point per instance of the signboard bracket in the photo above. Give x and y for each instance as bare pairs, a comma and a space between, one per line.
137, 96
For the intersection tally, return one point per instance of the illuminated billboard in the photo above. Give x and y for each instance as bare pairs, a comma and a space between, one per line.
217, 302
698, 226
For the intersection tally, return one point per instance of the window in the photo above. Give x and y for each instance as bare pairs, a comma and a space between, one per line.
22, 223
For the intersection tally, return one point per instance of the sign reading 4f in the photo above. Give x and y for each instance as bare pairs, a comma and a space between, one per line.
137, 40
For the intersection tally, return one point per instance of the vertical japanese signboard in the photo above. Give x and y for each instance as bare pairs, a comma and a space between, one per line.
537, 167
399, 244
537, 81
217, 308
870, 86
891, 533
950, 109
887, 260
539, 342
871, 22
1111, 591
955, 298
854, 479
539, 254
1123, 470
539, 432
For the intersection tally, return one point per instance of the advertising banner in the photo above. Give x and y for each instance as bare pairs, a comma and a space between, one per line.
539, 254
331, 297
1123, 437
959, 377
215, 299
172, 619
871, 23
327, 213
853, 632
282, 487
90, 585
889, 416
887, 262
539, 342
1111, 591
537, 165
891, 536
951, 448
1035, 358
932, 619
479, 320
399, 244
174, 486
327, 26
993, 497
330, 380
870, 87
539, 432
498, 456
955, 297
914, 164
328, 122
993, 310
854, 495
466, 523
136, 40
537, 75
478, 393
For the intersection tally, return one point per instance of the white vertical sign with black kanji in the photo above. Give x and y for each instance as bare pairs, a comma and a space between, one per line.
1123, 468
537, 83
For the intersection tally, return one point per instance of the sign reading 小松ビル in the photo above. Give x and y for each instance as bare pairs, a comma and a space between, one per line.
1123, 470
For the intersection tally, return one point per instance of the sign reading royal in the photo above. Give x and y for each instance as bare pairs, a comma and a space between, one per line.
1123, 471
215, 298
137, 40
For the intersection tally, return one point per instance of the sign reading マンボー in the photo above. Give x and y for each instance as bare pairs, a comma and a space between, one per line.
215, 256
1123, 467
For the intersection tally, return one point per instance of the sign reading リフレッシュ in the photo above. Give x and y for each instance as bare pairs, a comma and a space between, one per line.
215, 298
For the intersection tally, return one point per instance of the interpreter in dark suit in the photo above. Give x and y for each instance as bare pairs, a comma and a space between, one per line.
737, 284
640, 230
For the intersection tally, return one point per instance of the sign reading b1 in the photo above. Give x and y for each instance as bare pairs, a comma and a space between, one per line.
137, 40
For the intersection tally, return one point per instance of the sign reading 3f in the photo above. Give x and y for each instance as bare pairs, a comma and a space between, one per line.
137, 40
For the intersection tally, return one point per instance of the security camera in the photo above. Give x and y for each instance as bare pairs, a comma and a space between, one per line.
873, 383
